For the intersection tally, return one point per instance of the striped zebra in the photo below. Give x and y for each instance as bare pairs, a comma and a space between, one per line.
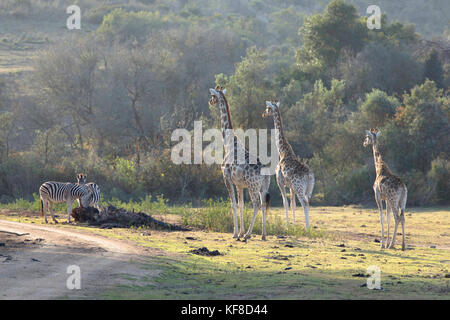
93, 197
81, 178
56, 192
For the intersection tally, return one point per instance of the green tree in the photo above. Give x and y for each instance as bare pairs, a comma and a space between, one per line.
139, 25
433, 69
311, 122
440, 173
6, 132
378, 108
325, 35
248, 89
382, 66
421, 128
284, 25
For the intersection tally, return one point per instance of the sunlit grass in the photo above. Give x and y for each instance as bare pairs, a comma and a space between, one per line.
291, 267
217, 216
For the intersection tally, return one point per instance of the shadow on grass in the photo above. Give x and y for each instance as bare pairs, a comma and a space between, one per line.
199, 278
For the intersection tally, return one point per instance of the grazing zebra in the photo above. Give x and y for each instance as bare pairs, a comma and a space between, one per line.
93, 197
56, 192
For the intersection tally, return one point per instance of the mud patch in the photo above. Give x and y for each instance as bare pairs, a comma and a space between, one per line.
205, 252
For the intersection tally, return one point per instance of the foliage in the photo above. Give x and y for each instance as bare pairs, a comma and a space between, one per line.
122, 24
378, 108
433, 69
325, 35
106, 101
247, 89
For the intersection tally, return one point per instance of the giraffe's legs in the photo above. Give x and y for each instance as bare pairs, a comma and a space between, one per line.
402, 219
380, 209
305, 204
256, 205
388, 219
281, 185
293, 204
230, 188
397, 220
240, 192
263, 209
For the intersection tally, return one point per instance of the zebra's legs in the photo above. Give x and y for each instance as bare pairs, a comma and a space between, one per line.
44, 209
69, 209
50, 207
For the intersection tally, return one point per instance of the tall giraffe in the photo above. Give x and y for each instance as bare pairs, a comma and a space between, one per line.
389, 188
290, 172
242, 175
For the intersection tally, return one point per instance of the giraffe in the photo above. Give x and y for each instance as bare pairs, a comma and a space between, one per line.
290, 172
389, 188
242, 175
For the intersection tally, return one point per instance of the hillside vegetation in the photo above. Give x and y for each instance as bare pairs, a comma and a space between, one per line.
105, 99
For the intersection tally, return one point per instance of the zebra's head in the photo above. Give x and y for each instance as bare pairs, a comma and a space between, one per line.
86, 200
81, 178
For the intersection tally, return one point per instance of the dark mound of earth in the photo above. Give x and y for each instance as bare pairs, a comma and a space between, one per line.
112, 217
205, 252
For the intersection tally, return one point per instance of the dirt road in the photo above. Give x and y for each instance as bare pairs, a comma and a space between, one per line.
34, 261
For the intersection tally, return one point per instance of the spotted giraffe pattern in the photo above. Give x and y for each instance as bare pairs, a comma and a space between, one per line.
389, 188
242, 175
290, 172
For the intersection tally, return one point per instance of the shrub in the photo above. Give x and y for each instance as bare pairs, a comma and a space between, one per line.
440, 175
124, 25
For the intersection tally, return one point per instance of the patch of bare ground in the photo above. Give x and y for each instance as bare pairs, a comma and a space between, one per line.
34, 261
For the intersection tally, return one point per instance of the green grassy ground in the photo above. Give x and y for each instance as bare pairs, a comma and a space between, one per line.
292, 267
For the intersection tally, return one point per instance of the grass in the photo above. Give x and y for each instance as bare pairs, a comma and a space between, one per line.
293, 267
216, 216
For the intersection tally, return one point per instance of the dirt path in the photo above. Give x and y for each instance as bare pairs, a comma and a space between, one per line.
34, 261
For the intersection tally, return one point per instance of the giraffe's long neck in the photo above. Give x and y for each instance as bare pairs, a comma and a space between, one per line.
284, 148
380, 165
225, 117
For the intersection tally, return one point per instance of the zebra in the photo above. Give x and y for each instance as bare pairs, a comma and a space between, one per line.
81, 179
93, 197
56, 192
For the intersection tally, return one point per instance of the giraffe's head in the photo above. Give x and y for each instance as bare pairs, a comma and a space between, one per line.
217, 94
371, 137
81, 178
271, 108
